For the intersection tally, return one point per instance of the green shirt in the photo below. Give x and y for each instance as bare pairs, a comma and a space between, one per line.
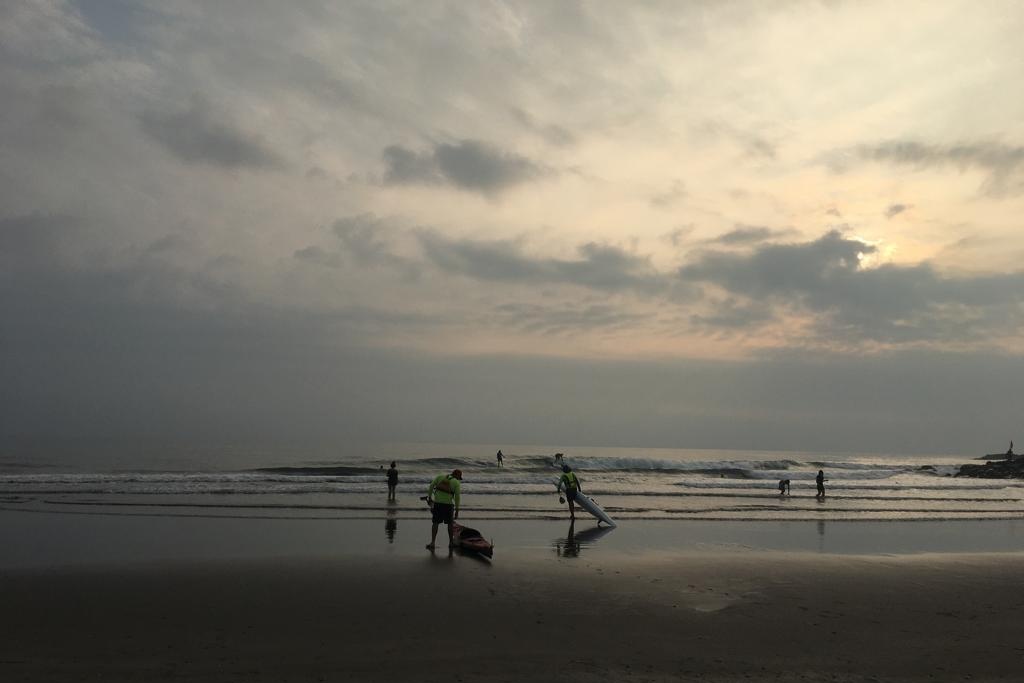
569, 481
438, 494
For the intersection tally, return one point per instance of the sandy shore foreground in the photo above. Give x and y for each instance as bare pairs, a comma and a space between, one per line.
761, 617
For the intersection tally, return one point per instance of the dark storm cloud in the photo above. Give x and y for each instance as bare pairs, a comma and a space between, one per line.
197, 135
748, 234
1003, 163
895, 210
600, 267
469, 165
891, 303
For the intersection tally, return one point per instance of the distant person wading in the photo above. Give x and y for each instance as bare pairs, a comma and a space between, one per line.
392, 481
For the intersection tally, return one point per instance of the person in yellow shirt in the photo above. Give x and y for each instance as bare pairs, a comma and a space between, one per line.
571, 483
443, 497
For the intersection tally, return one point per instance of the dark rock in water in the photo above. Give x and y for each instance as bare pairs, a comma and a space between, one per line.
996, 469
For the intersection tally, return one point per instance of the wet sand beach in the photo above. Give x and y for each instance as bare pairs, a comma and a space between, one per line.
535, 613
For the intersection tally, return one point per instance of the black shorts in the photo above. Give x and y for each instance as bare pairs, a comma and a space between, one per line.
570, 495
443, 512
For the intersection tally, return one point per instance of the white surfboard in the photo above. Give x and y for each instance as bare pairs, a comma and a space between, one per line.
587, 503
583, 500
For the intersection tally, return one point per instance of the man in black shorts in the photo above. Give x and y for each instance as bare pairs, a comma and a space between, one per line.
571, 483
443, 497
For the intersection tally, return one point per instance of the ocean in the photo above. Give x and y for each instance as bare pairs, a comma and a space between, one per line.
160, 478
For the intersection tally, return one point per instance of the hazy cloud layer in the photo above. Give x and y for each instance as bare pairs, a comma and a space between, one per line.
601, 267
752, 144
671, 196
468, 165
731, 314
552, 133
226, 221
748, 234
1003, 163
567, 319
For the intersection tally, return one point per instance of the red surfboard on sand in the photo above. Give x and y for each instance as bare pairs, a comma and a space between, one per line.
470, 539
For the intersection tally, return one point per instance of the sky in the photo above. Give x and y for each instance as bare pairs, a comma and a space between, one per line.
777, 226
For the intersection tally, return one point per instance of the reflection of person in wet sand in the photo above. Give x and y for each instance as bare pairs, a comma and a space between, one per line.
570, 548
574, 543
390, 526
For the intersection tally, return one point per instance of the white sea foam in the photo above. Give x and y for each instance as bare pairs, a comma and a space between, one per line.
679, 485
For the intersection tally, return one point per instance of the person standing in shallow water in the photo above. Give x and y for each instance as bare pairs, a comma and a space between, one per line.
392, 481
500, 458
820, 480
443, 497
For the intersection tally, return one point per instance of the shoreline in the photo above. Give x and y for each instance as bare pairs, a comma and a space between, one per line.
42, 539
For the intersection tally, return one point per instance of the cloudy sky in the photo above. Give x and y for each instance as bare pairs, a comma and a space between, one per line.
786, 225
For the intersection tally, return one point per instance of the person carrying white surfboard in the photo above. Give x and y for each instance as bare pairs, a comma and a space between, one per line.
571, 483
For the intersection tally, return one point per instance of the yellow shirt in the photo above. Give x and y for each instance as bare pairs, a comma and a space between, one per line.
438, 493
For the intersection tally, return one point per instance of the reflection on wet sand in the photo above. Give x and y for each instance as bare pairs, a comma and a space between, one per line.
475, 556
390, 523
573, 543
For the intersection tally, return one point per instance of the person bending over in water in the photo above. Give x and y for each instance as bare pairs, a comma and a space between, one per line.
820, 480
443, 496
783, 486
571, 482
392, 481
